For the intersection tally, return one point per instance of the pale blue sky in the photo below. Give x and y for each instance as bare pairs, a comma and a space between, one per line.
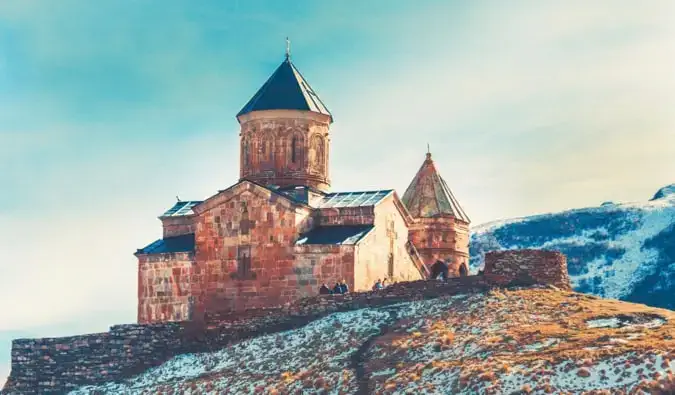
109, 109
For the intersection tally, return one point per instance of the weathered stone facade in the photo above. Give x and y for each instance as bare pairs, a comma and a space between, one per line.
523, 266
285, 148
164, 288
445, 239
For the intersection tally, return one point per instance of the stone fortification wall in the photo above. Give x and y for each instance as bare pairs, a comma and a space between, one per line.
56, 365
527, 266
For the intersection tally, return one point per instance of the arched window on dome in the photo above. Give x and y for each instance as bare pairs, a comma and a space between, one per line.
267, 149
319, 152
294, 149
244, 152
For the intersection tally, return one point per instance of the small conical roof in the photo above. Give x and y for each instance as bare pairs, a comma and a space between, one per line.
286, 89
429, 196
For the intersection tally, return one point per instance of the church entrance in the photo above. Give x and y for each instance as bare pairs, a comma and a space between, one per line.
463, 271
439, 270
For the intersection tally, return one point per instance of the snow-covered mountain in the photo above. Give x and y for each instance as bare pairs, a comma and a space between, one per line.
623, 251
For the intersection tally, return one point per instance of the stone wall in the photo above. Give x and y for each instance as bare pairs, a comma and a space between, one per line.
285, 148
345, 216
178, 226
386, 241
164, 287
316, 264
527, 266
246, 220
55, 365
442, 238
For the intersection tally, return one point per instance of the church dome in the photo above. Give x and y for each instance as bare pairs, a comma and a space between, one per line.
286, 89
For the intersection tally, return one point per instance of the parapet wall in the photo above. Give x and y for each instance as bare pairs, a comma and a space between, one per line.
527, 266
58, 365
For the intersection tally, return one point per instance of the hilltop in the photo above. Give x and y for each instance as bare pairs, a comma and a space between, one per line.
623, 251
522, 340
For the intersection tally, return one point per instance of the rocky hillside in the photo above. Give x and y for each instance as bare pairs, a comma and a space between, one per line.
536, 340
622, 251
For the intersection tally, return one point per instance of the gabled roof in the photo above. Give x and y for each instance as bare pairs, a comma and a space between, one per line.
352, 199
181, 208
286, 89
252, 186
182, 243
337, 234
429, 196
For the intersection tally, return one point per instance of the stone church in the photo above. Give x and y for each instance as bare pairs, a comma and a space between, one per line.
278, 233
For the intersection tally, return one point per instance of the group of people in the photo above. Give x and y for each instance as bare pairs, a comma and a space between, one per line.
379, 284
339, 289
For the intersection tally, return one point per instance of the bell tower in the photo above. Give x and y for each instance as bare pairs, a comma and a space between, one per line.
284, 133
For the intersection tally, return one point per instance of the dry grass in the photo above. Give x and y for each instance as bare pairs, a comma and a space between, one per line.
532, 332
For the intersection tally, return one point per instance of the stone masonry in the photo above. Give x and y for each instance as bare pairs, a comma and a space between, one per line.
535, 266
56, 365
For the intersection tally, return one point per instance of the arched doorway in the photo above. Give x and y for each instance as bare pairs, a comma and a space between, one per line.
463, 271
439, 270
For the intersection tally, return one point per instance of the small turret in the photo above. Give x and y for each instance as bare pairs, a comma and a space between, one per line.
441, 227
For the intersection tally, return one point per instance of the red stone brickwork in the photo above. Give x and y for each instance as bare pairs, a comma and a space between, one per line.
346, 216
442, 238
164, 287
285, 147
321, 264
244, 249
177, 226
538, 266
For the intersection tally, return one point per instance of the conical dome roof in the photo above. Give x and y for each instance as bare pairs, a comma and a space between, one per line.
429, 196
286, 89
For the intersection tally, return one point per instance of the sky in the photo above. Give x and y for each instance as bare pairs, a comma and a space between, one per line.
111, 109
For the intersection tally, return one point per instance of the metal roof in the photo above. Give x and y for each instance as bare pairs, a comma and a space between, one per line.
352, 199
339, 234
428, 195
286, 89
182, 243
181, 208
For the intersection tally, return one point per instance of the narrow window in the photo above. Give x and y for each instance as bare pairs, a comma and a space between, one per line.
244, 224
243, 261
294, 148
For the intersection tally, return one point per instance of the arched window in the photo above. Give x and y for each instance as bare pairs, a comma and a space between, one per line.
318, 147
267, 149
244, 151
294, 149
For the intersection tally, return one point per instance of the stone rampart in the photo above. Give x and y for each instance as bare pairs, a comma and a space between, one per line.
57, 365
525, 267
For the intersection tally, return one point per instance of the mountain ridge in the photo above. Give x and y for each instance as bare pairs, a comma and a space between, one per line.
618, 250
